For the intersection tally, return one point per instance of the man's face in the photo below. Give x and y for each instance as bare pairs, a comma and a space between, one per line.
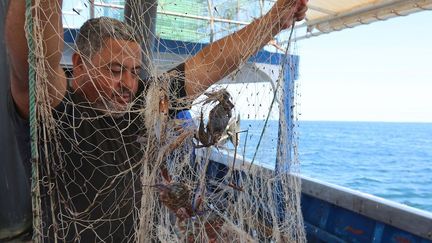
110, 79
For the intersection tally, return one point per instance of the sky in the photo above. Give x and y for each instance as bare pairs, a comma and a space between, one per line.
376, 72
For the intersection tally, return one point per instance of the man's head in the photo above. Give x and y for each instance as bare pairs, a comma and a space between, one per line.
107, 63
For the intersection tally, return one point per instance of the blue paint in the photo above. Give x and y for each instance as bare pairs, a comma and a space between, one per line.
349, 226
316, 234
325, 215
378, 232
187, 117
395, 235
70, 35
314, 210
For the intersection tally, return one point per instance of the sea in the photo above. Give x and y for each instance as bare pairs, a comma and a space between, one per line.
386, 159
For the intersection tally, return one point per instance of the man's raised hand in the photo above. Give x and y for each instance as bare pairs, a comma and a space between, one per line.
287, 11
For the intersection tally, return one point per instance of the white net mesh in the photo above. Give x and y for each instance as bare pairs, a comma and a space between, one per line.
127, 159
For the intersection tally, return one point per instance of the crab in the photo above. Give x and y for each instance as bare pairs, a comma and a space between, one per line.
218, 118
176, 197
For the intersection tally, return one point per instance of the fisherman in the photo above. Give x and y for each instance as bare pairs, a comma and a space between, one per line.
106, 67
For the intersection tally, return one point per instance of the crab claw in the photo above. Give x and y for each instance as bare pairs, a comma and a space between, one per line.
202, 135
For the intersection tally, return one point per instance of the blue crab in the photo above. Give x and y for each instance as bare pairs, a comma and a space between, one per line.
218, 118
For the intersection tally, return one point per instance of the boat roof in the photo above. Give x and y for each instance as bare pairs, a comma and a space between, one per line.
326, 16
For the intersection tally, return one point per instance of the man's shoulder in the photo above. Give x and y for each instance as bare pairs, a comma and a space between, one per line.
18, 122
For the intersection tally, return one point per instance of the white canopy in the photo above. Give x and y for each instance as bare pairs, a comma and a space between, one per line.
325, 16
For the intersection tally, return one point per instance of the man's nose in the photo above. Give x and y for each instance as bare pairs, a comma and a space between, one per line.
128, 80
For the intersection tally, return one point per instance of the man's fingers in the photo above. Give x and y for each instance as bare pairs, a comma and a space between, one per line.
300, 18
301, 13
303, 9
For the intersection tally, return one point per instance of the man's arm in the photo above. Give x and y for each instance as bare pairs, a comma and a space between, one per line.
224, 56
49, 18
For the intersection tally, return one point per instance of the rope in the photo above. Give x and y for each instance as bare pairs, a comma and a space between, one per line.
274, 97
33, 121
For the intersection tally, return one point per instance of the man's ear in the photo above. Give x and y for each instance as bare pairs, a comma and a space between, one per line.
77, 63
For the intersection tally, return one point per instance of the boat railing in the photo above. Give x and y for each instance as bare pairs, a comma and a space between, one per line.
415, 221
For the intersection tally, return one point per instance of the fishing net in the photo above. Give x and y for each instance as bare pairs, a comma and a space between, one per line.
155, 165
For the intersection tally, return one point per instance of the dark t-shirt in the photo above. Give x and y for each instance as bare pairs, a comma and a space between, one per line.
90, 167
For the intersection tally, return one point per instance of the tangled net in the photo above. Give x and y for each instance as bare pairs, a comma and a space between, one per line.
146, 174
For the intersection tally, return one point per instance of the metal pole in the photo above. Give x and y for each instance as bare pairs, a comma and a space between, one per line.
238, 13
141, 15
212, 29
92, 7
261, 7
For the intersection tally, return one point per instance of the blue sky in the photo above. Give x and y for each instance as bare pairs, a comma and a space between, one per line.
376, 72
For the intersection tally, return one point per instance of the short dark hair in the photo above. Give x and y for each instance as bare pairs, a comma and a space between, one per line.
94, 32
